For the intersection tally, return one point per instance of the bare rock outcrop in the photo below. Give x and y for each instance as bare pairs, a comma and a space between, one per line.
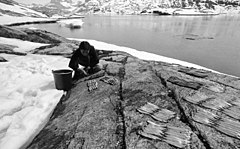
33, 35
65, 49
151, 105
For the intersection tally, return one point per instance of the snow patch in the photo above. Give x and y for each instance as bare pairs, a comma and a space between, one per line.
22, 46
20, 9
65, 4
27, 95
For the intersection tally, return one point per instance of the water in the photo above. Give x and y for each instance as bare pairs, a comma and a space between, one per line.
212, 42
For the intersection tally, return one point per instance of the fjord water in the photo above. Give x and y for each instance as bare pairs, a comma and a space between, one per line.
209, 41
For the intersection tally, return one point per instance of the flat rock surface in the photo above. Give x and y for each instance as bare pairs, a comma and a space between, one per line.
151, 105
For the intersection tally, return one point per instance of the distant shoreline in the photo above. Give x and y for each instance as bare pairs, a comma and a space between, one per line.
34, 22
42, 22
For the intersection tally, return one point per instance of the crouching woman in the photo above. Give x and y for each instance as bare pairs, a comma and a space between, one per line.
86, 56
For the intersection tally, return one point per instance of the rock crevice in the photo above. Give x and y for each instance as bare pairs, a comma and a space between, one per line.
183, 117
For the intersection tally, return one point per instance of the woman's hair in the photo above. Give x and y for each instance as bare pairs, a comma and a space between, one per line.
84, 45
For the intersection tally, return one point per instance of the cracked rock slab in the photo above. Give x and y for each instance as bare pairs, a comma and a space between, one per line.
153, 105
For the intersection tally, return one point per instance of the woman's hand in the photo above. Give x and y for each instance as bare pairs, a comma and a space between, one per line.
85, 73
86, 70
82, 71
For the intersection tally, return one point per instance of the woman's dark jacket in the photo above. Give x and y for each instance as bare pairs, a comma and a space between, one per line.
90, 60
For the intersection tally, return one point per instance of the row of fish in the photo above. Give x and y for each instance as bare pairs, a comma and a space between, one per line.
176, 136
93, 84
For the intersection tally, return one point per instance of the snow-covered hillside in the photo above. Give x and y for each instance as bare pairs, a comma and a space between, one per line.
66, 7
12, 12
15, 9
69, 7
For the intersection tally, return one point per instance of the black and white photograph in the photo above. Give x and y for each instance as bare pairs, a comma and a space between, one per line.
119, 74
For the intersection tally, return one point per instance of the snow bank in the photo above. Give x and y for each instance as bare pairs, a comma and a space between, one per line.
21, 46
27, 95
